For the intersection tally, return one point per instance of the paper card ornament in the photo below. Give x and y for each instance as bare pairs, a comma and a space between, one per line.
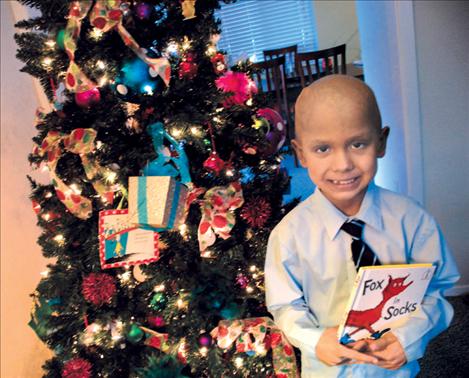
157, 201
123, 244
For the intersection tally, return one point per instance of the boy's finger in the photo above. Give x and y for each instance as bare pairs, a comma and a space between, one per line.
379, 344
360, 345
354, 355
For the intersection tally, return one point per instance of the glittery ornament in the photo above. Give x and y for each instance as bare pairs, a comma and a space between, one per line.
87, 98
98, 288
205, 340
158, 302
214, 163
143, 11
276, 132
156, 321
77, 368
242, 281
239, 85
256, 212
188, 68
135, 334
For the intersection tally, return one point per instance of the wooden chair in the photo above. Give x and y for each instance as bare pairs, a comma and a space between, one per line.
290, 58
313, 65
270, 79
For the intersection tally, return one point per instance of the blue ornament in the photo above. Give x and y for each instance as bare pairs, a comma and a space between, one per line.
135, 79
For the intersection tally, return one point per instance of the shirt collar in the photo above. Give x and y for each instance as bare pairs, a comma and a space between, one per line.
333, 218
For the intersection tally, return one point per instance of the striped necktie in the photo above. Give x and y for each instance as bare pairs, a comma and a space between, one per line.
361, 252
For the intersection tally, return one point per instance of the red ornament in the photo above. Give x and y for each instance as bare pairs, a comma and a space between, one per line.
239, 84
218, 61
88, 98
98, 288
256, 212
77, 368
156, 321
214, 163
188, 68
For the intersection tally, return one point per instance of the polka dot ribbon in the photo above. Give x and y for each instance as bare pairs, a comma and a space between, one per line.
81, 142
218, 216
106, 15
251, 335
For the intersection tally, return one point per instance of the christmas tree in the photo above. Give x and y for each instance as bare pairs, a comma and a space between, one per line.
165, 183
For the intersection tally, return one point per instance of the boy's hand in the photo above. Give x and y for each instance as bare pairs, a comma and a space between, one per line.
388, 350
331, 352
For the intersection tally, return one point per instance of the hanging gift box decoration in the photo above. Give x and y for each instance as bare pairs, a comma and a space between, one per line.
158, 199
81, 142
105, 16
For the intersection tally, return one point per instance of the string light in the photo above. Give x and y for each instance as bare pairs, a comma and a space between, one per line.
45, 273
172, 48
211, 50
110, 176
48, 195
103, 81
46, 216
96, 34
206, 254
100, 64
239, 362
183, 229
159, 288
249, 102
176, 132
196, 131
75, 189
229, 173
203, 351
253, 268
186, 44
59, 239
249, 289
47, 61
50, 43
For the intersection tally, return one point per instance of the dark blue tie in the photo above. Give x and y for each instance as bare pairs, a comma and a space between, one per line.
361, 252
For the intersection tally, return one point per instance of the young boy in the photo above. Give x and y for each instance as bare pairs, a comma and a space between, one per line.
309, 268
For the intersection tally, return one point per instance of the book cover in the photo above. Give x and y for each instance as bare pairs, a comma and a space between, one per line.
383, 297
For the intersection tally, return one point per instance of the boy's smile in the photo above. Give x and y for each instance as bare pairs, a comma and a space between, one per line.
339, 143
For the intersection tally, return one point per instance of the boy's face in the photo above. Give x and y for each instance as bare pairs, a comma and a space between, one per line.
339, 144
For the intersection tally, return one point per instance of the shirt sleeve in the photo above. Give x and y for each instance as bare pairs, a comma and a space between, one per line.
428, 245
285, 298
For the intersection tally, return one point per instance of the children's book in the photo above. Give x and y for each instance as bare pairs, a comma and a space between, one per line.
383, 297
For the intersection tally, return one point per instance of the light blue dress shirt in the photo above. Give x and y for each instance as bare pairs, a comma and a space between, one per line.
309, 273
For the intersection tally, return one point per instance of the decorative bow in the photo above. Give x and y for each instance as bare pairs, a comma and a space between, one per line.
81, 142
106, 15
242, 332
218, 215
160, 341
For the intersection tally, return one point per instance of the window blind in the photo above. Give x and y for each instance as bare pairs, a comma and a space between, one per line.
251, 26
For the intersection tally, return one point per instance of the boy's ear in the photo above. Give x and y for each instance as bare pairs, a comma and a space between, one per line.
383, 137
299, 152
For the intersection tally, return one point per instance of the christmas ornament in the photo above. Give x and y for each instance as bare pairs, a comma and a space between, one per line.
188, 67
188, 9
242, 281
60, 38
81, 142
218, 216
274, 128
205, 340
88, 98
218, 61
241, 333
158, 302
231, 311
104, 16
134, 334
135, 79
143, 11
98, 288
45, 310
77, 368
156, 321
239, 85
138, 274
214, 163
256, 212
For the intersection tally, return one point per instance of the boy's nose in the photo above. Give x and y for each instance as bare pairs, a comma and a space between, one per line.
342, 162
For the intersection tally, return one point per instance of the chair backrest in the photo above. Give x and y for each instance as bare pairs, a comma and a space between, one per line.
290, 58
270, 79
313, 65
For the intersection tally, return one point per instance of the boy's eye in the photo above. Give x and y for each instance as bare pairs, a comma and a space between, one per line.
358, 145
321, 149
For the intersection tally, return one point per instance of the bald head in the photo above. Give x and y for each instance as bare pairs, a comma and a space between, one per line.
339, 93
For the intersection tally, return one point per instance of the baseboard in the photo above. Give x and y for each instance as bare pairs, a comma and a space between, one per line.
457, 290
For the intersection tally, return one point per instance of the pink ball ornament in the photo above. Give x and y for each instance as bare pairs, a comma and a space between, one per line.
205, 340
88, 98
143, 11
276, 133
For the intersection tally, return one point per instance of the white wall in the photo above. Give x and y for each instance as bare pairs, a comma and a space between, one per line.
442, 41
416, 59
22, 354
336, 23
